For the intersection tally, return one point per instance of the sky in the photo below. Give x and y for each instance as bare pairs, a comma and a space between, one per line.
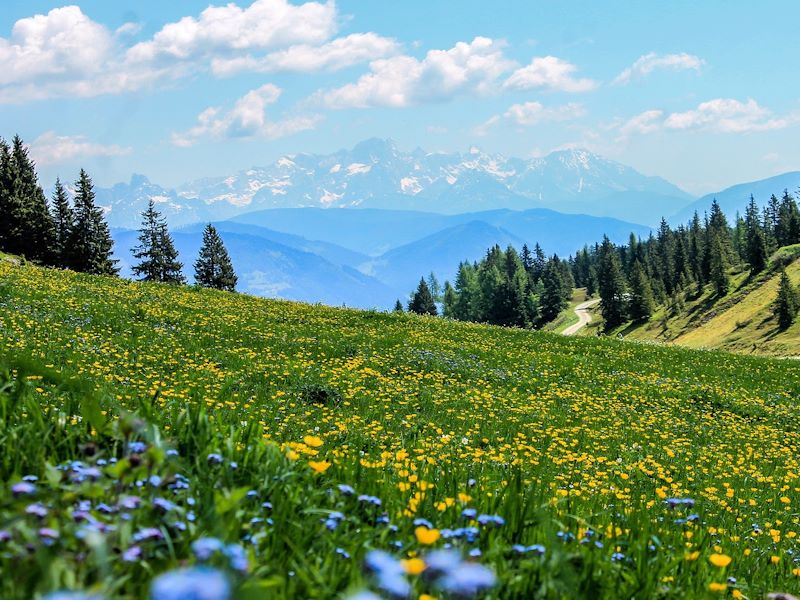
705, 94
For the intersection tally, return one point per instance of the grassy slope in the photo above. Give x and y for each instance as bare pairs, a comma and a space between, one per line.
741, 322
559, 435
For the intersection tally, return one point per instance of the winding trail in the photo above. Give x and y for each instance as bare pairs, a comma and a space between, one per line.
584, 317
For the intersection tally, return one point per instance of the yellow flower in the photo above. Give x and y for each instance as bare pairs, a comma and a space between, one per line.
775, 559
292, 455
426, 536
426, 597
319, 466
693, 556
717, 587
737, 594
413, 566
720, 560
313, 441
796, 572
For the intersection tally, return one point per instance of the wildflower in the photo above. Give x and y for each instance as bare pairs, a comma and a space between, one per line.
775, 559
717, 587
374, 500
319, 466
198, 583
720, 560
676, 502
204, 548
137, 447
48, 535
467, 579
423, 522
237, 558
346, 490
23, 488
426, 536
132, 554
469, 513
163, 505
494, 520
37, 510
214, 458
312, 441
147, 534
413, 566
343, 553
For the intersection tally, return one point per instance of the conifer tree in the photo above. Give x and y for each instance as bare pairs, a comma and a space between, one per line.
787, 303
449, 299
755, 245
156, 250
63, 217
422, 301
468, 301
551, 302
90, 245
398, 306
213, 267
641, 301
719, 266
10, 213
611, 285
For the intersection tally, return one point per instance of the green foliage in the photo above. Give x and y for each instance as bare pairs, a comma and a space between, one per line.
90, 243
787, 303
422, 301
213, 268
156, 250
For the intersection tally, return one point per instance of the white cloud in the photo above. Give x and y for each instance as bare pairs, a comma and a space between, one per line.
62, 44
247, 119
264, 24
548, 73
337, 54
66, 54
532, 113
401, 81
721, 115
648, 63
49, 148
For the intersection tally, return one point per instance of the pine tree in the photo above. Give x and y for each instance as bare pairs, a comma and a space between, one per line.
422, 301
468, 300
10, 213
611, 285
398, 306
719, 267
449, 299
756, 247
641, 301
90, 245
551, 302
435, 287
156, 250
63, 217
787, 303
213, 267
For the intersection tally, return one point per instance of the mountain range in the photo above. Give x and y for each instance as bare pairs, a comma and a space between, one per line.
376, 174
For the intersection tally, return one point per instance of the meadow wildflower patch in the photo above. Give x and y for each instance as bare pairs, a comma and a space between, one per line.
153, 436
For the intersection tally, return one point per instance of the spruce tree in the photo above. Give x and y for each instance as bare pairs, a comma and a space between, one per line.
642, 301
10, 214
422, 301
611, 285
63, 218
719, 266
398, 306
213, 267
156, 250
787, 303
756, 247
468, 300
551, 302
449, 299
90, 245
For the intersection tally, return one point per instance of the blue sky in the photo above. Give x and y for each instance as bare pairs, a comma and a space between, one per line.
702, 93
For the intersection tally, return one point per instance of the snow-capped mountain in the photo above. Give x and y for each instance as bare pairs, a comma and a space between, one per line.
376, 174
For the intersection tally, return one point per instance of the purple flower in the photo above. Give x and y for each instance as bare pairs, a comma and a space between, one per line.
214, 458
130, 502
132, 554
346, 490
5, 536
199, 583
137, 447
37, 510
48, 535
237, 557
163, 505
374, 500
23, 488
148, 533
468, 579
469, 513
494, 520
205, 548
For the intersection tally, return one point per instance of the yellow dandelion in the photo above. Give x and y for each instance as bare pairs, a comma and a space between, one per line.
426, 536
719, 560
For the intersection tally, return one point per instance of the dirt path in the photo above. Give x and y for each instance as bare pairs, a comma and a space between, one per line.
584, 317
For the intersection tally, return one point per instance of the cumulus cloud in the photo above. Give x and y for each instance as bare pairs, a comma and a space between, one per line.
548, 73
64, 53
50, 148
337, 54
532, 113
264, 24
247, 119
399, 81
648, 63
721, 115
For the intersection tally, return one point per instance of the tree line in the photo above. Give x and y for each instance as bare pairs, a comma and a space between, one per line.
669, 267
74, 234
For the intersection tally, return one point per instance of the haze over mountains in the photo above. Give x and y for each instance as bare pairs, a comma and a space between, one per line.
359, 227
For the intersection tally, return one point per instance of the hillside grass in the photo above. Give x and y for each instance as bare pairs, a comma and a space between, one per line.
740, 322
603, 469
